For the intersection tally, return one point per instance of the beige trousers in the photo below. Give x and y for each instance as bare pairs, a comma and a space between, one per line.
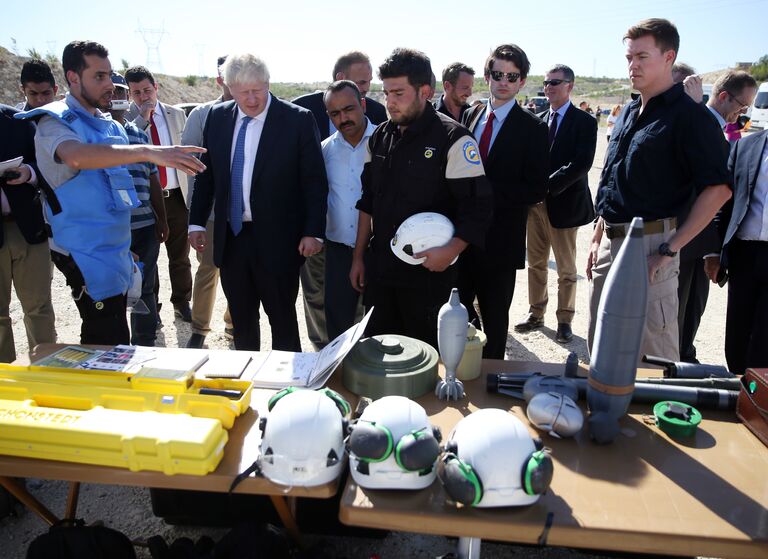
28, 269
204, 288
541, 238
660, 335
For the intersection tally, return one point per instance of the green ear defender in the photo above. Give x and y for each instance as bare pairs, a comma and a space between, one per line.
415, 451
460, 480
537, 473
341, 403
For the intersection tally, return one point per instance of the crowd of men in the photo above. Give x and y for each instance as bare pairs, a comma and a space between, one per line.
272, 194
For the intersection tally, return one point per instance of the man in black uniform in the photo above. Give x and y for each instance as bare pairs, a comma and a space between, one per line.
664, 149
419, 161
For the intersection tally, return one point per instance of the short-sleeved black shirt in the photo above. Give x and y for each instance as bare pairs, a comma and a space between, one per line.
655, 159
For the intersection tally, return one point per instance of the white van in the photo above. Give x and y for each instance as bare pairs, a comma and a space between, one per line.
706, 89
759, 111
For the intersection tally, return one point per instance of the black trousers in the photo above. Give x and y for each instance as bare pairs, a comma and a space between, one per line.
104, 322
692, 293
494, 289
409, 310
341, 299
746, 325
247, 284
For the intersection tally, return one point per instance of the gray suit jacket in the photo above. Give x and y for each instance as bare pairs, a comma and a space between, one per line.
176, 120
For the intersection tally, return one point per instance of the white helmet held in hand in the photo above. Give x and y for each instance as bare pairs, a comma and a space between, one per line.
491, 460
420, 232
302, 441
393, 446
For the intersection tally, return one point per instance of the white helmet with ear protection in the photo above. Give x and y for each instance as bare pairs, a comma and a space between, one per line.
491, 460
420, 232
393, 446
302, 441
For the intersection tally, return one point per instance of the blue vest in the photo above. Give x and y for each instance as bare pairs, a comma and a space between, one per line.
94, 224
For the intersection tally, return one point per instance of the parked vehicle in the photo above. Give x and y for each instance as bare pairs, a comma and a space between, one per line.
759, 110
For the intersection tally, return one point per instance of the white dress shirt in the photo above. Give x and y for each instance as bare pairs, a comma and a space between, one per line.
499, 115
754, 227
252, 139
161, 125
560, 115
344, 165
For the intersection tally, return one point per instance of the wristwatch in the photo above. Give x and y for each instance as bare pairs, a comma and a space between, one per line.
664, 250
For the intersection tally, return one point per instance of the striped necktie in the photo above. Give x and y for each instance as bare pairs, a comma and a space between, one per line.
236, 194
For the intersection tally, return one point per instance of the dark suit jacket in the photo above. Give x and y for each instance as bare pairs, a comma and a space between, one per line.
289, 189
17, 138
517, 168
569, 201
313, 102
744, 166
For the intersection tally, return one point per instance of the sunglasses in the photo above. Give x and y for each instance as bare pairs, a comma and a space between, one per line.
511, 77
555, 82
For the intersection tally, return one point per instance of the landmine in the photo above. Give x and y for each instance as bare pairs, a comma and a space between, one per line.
151, 390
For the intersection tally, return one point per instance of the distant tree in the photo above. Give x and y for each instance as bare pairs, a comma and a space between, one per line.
34, 53
52, 59
759, 69
191, 80
125, 64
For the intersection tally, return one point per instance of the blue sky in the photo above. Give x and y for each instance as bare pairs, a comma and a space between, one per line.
300, 40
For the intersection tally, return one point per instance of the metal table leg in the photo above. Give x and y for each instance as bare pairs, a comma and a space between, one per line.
287, 517
468, 548
18, 490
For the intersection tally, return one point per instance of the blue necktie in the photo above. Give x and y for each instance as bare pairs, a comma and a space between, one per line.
236, 194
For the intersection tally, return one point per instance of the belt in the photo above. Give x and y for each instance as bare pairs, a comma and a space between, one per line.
619, 231
166, 193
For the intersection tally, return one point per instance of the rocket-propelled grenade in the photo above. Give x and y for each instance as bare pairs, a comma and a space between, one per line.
618, 335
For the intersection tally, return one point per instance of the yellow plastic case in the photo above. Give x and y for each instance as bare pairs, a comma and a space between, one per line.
164, 442
83, 389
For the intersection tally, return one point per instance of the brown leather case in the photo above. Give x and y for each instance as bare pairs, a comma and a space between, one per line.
752, 405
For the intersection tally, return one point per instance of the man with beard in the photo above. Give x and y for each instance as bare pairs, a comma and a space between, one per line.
458, 79
82, 154
418, 161
344, 155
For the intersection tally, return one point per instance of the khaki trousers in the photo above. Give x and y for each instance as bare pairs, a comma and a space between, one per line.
660, 334
204, 288
541, 238
28, 269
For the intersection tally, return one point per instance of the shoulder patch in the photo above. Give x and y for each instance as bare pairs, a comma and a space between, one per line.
471, 153
69, 116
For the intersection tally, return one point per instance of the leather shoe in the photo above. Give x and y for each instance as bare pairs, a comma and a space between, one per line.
529, 324
229, 333
183, 312
564, 333
196, 341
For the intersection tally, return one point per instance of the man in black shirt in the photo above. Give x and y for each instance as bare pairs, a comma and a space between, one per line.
419, 161
662, 147
458, 79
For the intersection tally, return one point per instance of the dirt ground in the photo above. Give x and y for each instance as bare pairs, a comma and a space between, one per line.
128, 509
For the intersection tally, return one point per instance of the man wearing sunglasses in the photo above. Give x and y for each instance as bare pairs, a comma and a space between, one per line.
515, 152
554, 223
664, 152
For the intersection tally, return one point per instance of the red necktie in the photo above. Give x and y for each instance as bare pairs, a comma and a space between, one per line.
485, 139
156, 142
